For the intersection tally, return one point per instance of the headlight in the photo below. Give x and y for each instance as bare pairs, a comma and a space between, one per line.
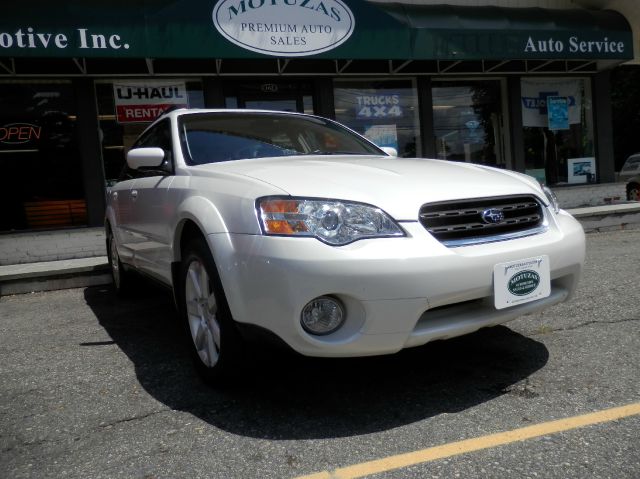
333, 221
551, 196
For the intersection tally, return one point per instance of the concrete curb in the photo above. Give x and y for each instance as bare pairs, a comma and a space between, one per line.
596, 219
53, 275
53, 268
605, 210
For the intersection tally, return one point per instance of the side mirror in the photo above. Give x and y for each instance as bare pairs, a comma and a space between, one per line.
145, 158
389, 151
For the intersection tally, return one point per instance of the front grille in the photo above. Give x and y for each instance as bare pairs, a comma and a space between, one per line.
457, 223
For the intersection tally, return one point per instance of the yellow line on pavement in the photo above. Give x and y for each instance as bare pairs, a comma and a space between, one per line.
469, 445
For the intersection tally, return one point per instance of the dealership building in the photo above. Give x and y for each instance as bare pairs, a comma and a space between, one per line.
522, 85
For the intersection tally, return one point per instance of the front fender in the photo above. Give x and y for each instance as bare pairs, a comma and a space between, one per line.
201, 212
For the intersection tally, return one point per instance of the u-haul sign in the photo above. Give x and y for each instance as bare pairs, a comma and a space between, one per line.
144, 101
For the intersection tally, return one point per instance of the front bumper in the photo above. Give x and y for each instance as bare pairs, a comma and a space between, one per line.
398, 292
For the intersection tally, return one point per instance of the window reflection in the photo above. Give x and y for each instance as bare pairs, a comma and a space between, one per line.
386, 112
117, 138
566, 154
467, 122
39, 157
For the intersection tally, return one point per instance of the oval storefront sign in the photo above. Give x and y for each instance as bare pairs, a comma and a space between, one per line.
523, 283
284, 27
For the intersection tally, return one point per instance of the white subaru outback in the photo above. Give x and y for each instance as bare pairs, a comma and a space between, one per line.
296, 226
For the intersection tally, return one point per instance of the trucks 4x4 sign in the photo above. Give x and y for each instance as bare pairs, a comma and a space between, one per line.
291, 27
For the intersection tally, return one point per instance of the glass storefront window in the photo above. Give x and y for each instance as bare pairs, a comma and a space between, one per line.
563, 154
386, 112
467, 121
270, 95
39, 156
285, 104
117, 137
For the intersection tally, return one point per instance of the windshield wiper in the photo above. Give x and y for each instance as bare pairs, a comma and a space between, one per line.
334, 152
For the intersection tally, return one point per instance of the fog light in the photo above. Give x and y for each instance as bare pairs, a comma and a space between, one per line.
322, 315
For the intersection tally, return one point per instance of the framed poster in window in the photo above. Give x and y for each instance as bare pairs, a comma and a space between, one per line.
581, 170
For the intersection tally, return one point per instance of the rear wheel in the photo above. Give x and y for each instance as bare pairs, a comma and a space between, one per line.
121, 277
633, 192
214, 341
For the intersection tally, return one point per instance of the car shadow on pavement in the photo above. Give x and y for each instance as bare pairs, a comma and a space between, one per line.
288, 396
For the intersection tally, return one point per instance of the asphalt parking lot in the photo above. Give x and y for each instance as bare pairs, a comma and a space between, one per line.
96, 387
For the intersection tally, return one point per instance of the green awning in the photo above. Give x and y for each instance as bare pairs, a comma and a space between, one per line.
449, 32
354, 30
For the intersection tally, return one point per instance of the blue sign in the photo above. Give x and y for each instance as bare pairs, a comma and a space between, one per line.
540, 102
558, 112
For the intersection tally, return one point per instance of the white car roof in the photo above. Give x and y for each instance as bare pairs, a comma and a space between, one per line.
189, 111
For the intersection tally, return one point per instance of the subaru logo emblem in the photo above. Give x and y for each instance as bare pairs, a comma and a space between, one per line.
493, 216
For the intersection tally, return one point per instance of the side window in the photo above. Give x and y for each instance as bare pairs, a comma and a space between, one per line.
159, 136
631, 165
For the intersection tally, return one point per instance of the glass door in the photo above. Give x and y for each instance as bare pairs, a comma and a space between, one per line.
467, 118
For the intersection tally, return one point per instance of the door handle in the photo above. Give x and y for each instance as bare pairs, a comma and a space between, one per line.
134, 194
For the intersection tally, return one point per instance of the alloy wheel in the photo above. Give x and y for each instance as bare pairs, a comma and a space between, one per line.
202, 309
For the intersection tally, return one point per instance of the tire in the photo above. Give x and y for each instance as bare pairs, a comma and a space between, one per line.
633, 192
214, 342
121, 278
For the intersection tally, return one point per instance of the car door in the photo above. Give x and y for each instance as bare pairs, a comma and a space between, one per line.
151, 209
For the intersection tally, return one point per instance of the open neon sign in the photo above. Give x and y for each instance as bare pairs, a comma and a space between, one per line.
19, 133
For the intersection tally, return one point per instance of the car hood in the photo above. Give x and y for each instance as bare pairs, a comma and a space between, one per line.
397, 185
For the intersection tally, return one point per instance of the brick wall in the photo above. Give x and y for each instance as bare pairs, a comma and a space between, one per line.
19, 248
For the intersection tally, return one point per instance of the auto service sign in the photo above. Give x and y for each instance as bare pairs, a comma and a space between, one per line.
144, 101
290, 28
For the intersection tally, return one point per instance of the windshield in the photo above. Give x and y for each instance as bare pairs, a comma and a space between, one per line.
216, 137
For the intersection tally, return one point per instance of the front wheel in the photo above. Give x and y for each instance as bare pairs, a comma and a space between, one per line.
633, 192
214, 341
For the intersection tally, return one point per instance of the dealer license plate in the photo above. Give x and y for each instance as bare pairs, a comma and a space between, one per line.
521, 281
